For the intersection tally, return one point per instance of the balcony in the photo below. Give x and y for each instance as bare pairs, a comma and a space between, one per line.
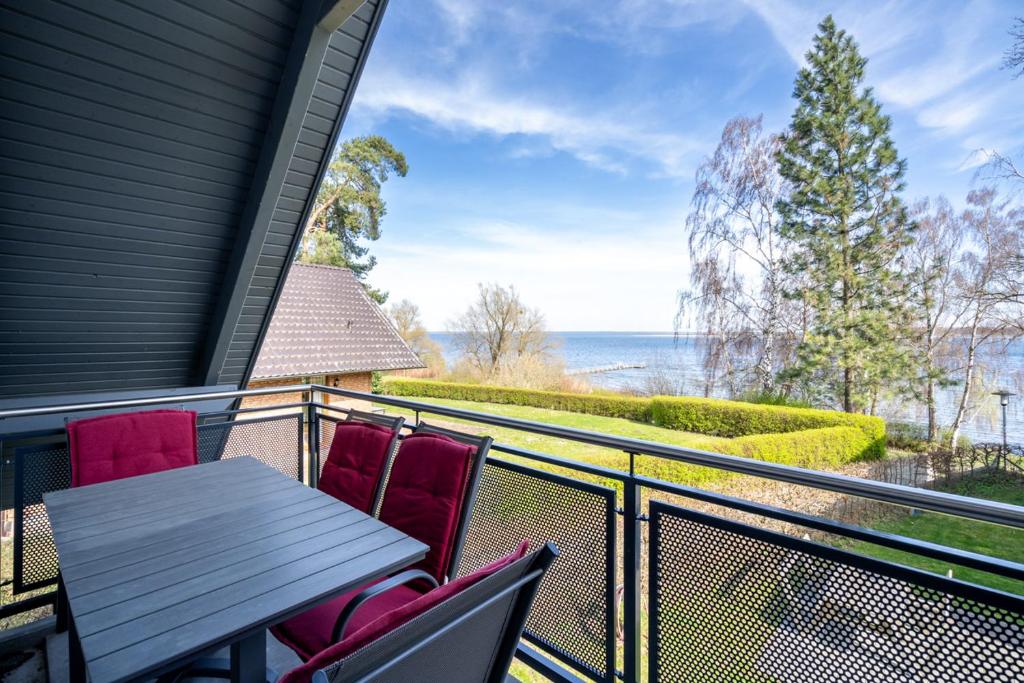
656, 581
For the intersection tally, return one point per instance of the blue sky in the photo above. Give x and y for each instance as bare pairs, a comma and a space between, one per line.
552, 145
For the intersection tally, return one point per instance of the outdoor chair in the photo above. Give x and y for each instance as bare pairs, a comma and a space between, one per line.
466, 631
429, 496
112, 447
359, 458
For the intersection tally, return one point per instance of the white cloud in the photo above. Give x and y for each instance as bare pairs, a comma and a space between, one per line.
584, 264
608, 140
956, 114
574, 279
893, 36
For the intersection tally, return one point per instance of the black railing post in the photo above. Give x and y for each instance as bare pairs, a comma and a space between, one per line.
632, 549
312, 439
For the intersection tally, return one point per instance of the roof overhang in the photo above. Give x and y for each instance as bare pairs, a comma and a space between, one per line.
157, 169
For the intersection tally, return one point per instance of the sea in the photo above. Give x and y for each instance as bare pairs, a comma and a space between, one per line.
674, 363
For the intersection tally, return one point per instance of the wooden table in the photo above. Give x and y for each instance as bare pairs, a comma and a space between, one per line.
164, 568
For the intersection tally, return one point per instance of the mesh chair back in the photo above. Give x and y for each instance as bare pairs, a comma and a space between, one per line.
393, 423
469, 638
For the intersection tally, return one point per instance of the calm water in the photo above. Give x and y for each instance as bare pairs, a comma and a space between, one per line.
678, 360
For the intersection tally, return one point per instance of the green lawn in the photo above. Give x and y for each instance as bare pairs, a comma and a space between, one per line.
979, 537
572, 450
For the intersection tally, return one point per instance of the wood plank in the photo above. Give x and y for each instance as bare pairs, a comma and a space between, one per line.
194, 505
124, 626
109, 512
167, 593
222, 528
207, 554
86, 499
275, 606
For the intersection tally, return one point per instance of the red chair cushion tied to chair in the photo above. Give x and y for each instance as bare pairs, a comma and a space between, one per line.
113, 447
386, 620
425, 494
359, 453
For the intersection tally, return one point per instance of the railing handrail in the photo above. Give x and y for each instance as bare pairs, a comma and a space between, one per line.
897, 494
148, 401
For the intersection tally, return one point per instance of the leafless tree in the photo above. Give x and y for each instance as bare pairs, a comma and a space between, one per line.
988, 286
498, 329
405, 315
1013, 59
1000, 170
931, 265
736, 254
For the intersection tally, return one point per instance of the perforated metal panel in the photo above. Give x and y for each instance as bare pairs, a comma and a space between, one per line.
276, 441
325, 436
573, 616
730, 602
38, 469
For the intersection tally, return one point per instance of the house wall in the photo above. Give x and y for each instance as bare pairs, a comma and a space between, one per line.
355, 381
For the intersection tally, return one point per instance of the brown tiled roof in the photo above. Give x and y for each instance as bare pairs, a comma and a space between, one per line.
325, 323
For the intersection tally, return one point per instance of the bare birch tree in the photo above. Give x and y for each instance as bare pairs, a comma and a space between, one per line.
987, 281
931, 264
736, 255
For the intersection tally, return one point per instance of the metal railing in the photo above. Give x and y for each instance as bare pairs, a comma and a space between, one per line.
756, 603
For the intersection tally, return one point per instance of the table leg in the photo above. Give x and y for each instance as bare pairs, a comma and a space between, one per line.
76, 660
62, 606
249, 659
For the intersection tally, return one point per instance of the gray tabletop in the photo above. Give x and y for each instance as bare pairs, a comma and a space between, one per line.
165, 567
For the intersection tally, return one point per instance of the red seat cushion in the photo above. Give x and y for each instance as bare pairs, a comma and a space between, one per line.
355, 463
425, 494
129, 444
310, 632
385, 621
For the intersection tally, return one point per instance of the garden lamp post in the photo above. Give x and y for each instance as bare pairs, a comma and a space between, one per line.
1004, 400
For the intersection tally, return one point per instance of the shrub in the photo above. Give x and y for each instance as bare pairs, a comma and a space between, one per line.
718, 417
804, 437
906, 437
811, 448
768, 398
608, 405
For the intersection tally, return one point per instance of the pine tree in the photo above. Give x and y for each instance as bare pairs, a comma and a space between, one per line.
847, 223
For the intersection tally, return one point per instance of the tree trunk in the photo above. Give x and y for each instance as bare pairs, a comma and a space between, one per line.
933, 427
847, 389
764, 364
847, 314
965, 396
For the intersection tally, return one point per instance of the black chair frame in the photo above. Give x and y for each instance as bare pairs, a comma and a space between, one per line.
406, 640
439, 627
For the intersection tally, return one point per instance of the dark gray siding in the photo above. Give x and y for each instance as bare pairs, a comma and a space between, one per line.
345, 56
129, 131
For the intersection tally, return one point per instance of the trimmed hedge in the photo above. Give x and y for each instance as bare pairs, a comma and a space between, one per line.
628, 407
817, 449
804, 437
718, 417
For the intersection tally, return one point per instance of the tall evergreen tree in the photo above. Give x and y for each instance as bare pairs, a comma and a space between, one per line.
349, 208
847, 223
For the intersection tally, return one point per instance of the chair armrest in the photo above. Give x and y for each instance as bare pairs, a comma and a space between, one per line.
372, 592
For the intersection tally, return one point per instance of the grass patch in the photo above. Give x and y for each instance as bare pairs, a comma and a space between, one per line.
574, 450
966, 534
